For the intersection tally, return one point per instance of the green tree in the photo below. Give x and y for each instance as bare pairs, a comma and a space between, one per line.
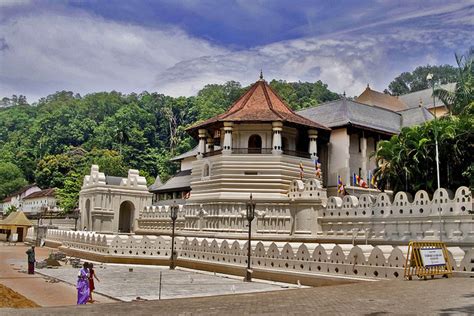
461, 100
12, 179
413, 81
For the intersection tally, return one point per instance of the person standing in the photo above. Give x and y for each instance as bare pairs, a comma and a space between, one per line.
31, 260
92, 275
83, 285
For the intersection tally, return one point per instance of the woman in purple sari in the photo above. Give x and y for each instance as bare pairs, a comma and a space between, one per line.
83, 285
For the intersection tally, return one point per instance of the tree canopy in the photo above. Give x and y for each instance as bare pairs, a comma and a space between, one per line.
413, 81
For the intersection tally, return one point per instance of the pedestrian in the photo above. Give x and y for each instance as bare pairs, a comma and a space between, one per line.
83, 285
85, 228
92, 275
31, 260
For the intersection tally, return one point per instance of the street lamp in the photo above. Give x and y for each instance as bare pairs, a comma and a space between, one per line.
174, 215
250, 216
429, 77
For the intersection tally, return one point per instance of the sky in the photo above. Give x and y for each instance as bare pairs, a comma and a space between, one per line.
176, 47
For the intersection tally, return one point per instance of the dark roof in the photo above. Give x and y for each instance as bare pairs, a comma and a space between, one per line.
191, 153
43, 193
344, 112
415, 116
111, 180
425, 97
155, 184
375, 98
259, 104
179, 182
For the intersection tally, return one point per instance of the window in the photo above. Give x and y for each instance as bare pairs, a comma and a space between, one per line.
206, 170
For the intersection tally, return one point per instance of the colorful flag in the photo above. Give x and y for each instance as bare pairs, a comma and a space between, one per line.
369, 178
354, 179
301, 170
373, 181
340, 186
317, 166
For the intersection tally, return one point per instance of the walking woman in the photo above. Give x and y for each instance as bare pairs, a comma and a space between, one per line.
92, 275
83, 285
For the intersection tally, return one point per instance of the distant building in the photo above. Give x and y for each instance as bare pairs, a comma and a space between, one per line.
16, 199
424, 98
38, 201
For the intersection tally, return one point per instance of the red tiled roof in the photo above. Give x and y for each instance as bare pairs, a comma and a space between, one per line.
260, 104
42, 193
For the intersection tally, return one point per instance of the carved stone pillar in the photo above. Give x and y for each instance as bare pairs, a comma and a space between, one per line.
313, 145
227, 148
202, 142
277, 128
363, 153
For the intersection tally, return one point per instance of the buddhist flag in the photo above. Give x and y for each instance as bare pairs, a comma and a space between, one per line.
340, 185
317, 166
301, 170
361, 182
354, 179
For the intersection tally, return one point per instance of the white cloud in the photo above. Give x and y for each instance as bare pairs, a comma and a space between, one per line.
48, 51
45, 52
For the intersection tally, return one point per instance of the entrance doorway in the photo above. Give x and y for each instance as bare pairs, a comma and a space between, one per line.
126, 217
255, 144
19, 231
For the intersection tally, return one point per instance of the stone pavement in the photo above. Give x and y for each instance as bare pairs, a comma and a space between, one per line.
430, 297
35, 287
118, 282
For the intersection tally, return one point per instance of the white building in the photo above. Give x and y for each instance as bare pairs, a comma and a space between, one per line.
39, 201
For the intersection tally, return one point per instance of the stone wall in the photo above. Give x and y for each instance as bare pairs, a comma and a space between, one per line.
404, 218
300, 258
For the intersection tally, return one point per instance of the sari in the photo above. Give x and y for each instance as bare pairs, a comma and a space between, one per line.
82, 286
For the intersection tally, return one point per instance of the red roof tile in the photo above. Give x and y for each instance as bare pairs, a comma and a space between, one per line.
260, 104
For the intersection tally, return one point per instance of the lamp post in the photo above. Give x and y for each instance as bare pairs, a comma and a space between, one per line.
250, 216
174, 215
42, 209
75, 215
429, 77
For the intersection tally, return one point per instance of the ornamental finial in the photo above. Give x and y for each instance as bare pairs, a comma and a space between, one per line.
261, 74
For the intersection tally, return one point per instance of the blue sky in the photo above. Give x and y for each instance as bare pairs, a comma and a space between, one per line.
176, 47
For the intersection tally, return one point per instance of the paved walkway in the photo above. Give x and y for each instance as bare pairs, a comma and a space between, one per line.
431, 297
143, 281
36, 288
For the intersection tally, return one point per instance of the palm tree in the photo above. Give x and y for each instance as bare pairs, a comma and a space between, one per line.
121, 135
461, 100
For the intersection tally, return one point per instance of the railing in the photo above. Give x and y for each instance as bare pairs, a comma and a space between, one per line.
261, 151
301, 154
240, 151
212, 153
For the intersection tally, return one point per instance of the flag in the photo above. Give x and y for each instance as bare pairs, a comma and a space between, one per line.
301, 170
369, 178
373, 181
340, 186
361, 182
317, 166
354, 179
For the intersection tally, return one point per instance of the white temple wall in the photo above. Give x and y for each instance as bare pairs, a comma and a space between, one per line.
363, 260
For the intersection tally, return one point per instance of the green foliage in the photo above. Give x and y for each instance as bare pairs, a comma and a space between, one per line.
300, 95
10, 209
68, 195
407, 161
11, 177
461, 100
413, 81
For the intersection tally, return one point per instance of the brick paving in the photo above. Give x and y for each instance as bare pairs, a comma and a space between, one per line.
430, 297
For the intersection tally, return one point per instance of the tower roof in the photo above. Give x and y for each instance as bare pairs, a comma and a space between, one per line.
375, 98
259, 104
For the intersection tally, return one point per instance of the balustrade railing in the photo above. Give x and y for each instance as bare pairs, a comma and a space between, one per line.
261, 151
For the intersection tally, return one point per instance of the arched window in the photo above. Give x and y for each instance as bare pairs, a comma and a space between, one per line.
206, 170
255, 144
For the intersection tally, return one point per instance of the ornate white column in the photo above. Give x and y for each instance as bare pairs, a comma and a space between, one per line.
227, 146
202, 142
363, 153
277, 128
313, 145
